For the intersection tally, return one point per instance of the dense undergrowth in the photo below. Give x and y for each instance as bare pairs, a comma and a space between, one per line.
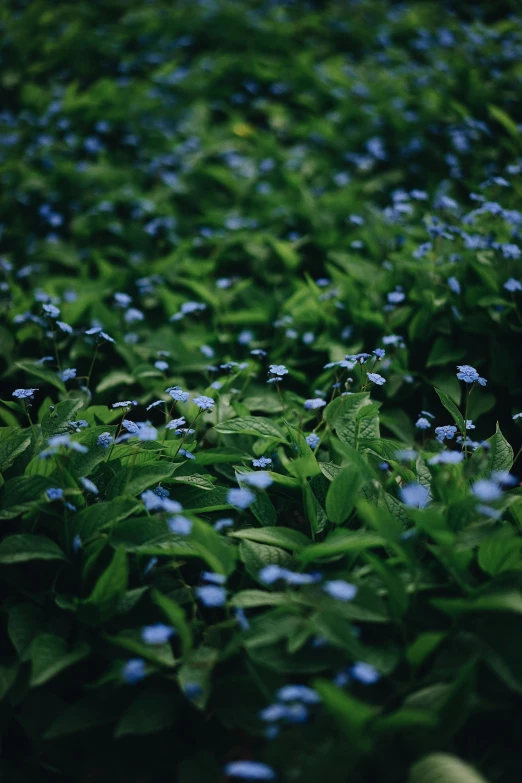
260, 345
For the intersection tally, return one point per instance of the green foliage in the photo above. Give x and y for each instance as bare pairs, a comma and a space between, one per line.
245, 247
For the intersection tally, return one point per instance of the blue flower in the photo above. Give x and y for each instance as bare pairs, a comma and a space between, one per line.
180, 525
64, 327
380, 353
448, 431
187, 454
487, 511
89, 485
105, 440
204, 403
414, 495
277, 369
454, 285
159, 633
77, 543
517, 416
339, 589
505, 478
50, 310
241, 618
487, 491
469, 375
261, 462
54, 494
134, 670
216, 579
24, 394
154, 502
447, 458
513, 285
222, 524
376, 378
132, 315
364, 673
298, 693
313, 404
259, 480
241, 498
161, 365
271, 573
422, 423
177, 393
395, 297
313, 440
250, 770
211, 595
68, 374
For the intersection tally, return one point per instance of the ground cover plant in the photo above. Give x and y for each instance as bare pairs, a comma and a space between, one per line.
261, 289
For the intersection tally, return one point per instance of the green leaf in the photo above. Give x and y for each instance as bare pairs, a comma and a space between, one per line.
500, 552
351, 714
255, 556
22, 493
443, 768
342, 494
108, 591
341, 415
38, 371
251, 425
134, 481
50, 656
284, 537
500, 456
452, 409
151, 711
24, 623
341, 542
197, 670
55, 421
83, 715
101, 516
22, 547
12, 447
176, 617
250, 599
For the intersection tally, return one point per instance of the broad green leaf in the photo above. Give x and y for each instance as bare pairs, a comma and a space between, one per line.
109, 589
134, 481
443, 768
499, 552
284, 537
22, 547
48, 376
452, 410
251, 425
50, 655
342, 494
151, 711
55, 421
176, 616
22, 493
12, 447
83, 715
256, 556
341, 542
500, 456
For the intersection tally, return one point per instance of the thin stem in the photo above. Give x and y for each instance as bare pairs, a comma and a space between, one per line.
92, 365
183, 439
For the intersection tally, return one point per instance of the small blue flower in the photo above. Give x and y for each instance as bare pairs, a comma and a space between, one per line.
278, 369
380, 353
187, 454
448, 431
241, 618
261, 462
161, 365
204, 403
64, 327
422, 423
298, 693
513, 285
222, 524
159, 633
134, 670
271, 573
54, 494
249, 770
313, 404
454, 285
469, 375
105, 440
50, 310
24, 394
192, 690
177, 393
241, 498
364, 673
216, 579
180, 525
68, 374
132, 315
487, 491
339, 589
517, 416
89, 485
313, 440
414, 495
211, 595
259, 480
376, 378
77, 543
396, 297
447, 458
